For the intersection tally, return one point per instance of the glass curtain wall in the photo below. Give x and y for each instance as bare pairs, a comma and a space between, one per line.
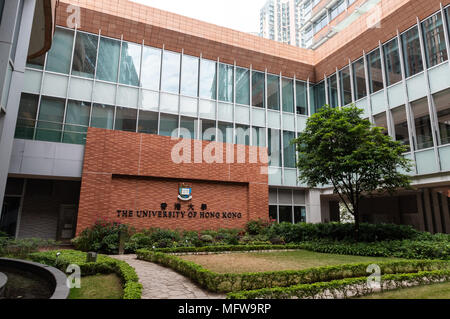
108, 60
288, 95
333, 91
189, 76
301, 98
411, 52
60, 54
434, 40
345, 86
226, 81
85, 55
422, 124
375, 71
273, 92
392, 62
401, 125
208, 75
359, 79
242, 86
130, 64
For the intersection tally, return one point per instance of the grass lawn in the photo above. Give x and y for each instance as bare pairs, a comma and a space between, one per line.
98, 287
435, 291
274, 261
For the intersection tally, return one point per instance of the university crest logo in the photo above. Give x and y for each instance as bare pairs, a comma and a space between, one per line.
184, 192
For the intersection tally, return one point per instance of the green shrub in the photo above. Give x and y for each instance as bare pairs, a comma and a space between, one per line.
104, 265
247, 281
102, 237
344, 288
257, 227
21, 248
138, 241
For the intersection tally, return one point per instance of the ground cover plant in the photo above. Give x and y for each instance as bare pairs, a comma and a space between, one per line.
98, 287
132, 289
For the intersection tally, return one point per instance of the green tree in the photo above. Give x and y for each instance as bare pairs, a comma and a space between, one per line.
340, 148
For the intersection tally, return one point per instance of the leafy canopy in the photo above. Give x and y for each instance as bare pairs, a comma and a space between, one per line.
341, 148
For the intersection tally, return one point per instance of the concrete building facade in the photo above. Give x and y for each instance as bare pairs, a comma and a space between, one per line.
119, 73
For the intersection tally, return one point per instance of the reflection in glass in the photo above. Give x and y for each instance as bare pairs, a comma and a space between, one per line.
375, 72
289, 149
242, 134
319, 96
170, 78
102, 116
242, 86
125, 119
208, 129
346, 86
108, 60
85, 55
60, 54
392, 62
288, 95
77, 122
411, 52
422, 124
168, 125
130, 63
434, 40
401, 125
359, 79
274, 147
51, 116
299, 214
381, 121
27, 116
258, 89
226, 82
273, 92
225, 132
151, 68
189, 76
187, 127
208, 74
148, 122
332, 91
302, 98
285, 214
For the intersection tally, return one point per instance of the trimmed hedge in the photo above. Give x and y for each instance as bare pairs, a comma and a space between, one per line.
248, 281
345, 288
402, 249
227, 248
104, 265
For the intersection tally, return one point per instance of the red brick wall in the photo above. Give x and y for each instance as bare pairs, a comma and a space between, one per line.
125, 171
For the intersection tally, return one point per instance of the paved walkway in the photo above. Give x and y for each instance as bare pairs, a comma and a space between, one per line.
164, 283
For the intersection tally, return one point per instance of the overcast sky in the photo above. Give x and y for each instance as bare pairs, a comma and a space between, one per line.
242, 15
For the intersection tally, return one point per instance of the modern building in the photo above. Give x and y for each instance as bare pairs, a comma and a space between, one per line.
97, 112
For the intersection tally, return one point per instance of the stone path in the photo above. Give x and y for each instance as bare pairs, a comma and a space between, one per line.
164, 283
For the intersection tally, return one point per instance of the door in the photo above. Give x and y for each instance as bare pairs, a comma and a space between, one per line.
67, 222
9, 215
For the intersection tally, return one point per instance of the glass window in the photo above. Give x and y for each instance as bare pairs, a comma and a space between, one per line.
77, 122
60, 54
273, 212
411, 52
108, 59
170, 78
381, 121
36, 63
187, 127
226, 82
151, 68
208, 129
302, 98
434, 40
273, 92
258, 136
189, 76
208, 72
319, 96
242, 86
242, 134
27, 116
258, 89
274, 148
148, 122
441, 100
51, 116
288, 95
392, 62
401, 125
332, 91
225, 132
102, 116
125, 119
422, 124
285, 214
346, 86
130, 63
168, 125
85, 55
359, 79
375, 72
299, 214
289, 149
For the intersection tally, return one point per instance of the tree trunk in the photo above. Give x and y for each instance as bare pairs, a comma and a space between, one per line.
356, 214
